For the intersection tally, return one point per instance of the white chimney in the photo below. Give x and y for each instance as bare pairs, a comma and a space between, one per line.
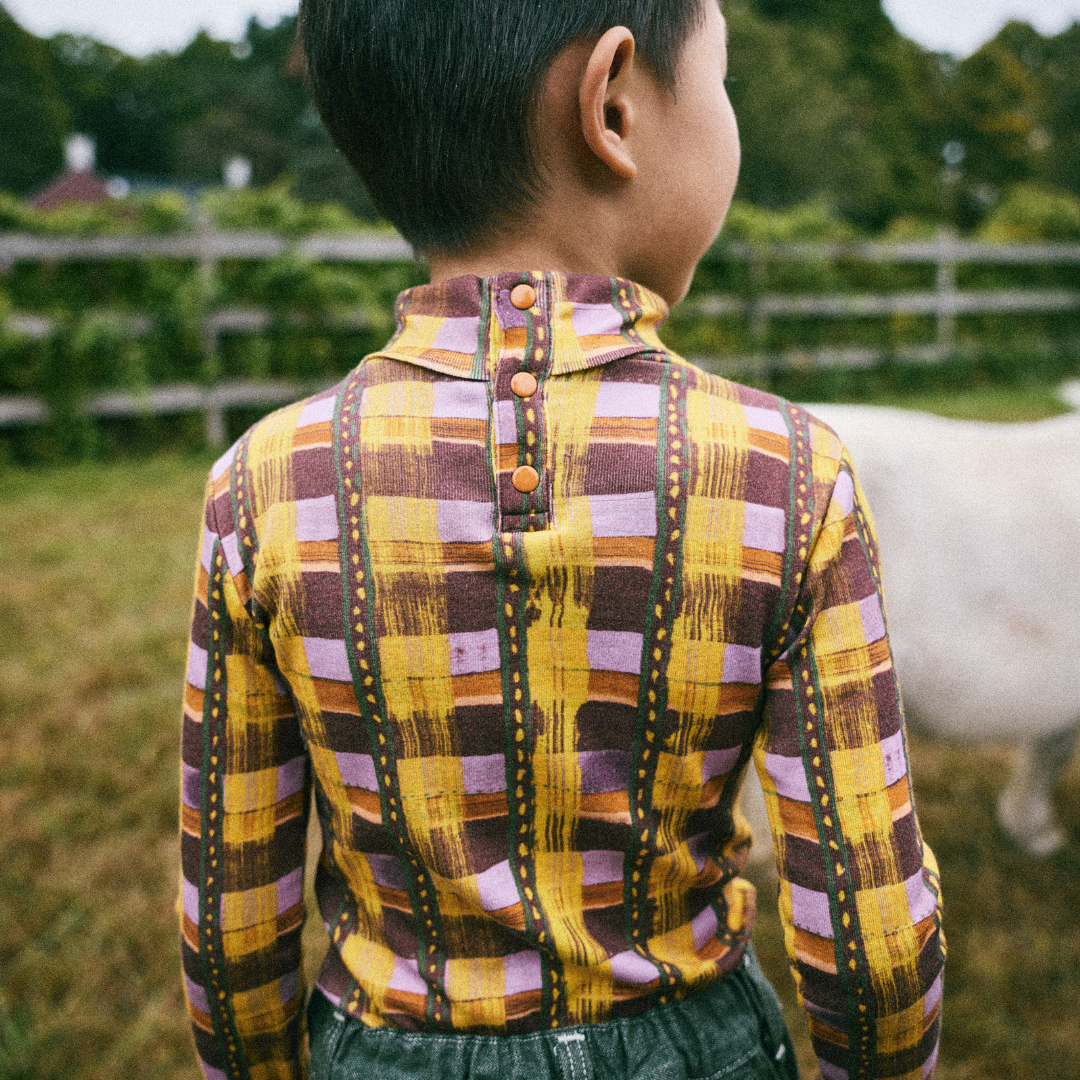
237, 173
79, 152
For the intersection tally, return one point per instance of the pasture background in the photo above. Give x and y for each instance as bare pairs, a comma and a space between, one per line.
849, 132
95, 578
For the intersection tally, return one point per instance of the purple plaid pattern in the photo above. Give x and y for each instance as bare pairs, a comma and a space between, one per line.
528, 712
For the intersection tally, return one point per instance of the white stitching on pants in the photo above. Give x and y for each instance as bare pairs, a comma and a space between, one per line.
573, 1044
570, 1057
586, 1061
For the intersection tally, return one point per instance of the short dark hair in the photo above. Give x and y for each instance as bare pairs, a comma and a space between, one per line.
433, 101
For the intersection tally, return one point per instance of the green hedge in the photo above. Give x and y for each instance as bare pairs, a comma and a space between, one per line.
1026, 214
92, 349
90, 302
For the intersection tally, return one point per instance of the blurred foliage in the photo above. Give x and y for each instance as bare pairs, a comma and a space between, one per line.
160, 213
327, 316
15, 1037
1021, 343
814, 220
835, 105
844, 123
276, 208
33, 115
834, 102
1014, 109
171, 117
994, 376
1029, 212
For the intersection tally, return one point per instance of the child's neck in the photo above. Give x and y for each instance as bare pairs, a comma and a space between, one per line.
573, 234
565, 254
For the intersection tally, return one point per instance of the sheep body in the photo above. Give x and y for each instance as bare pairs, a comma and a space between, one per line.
979, 529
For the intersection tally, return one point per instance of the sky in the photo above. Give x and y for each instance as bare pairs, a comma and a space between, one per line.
143, 26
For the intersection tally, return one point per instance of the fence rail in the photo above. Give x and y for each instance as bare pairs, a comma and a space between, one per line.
208, 248
236, 320
944, 248
200, 246
375, 247
975, 303
171, 400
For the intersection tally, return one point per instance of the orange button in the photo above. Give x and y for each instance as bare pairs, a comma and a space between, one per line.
523, 384
522, 296
525, 479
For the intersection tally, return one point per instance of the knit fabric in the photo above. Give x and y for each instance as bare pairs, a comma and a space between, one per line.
526, 715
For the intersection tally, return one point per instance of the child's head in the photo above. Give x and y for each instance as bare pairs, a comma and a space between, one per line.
599, 125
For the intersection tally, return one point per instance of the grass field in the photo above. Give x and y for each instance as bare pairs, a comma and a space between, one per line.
95, 575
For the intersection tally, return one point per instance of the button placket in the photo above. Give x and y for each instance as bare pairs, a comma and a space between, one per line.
522, 481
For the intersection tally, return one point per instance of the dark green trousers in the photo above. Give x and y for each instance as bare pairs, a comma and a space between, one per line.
732, 1030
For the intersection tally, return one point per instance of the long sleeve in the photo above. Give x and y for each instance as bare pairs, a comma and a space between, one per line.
860, 900
243, 820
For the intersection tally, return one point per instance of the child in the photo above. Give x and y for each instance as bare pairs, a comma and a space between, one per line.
521, 597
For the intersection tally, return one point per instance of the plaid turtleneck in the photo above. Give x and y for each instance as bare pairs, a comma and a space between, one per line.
520, 599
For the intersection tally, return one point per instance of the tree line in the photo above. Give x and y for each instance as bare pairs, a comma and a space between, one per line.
835, 105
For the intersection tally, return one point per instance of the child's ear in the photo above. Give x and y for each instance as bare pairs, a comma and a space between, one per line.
606, 111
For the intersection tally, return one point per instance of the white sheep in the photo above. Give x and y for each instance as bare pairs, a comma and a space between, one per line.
979, 527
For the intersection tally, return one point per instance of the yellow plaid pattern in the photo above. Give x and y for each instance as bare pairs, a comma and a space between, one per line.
526, 711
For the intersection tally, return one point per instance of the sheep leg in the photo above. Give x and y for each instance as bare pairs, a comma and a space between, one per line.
752, 803
1024, 808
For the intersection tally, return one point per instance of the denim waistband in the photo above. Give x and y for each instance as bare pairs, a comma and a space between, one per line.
732, 1030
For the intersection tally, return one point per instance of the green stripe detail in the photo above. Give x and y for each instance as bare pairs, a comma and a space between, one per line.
357, 582
236, 469
665, 593
479, 364
856, 985
731, 787
773, 631
508, 550
796, 422
210, 935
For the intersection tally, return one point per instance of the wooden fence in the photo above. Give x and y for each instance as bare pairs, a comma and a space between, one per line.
945, 303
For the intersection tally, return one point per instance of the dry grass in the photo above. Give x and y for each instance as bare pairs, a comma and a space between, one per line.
95, 574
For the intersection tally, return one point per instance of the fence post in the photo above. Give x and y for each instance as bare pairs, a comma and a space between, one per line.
757, 315
214, 421
946, 292
213, 415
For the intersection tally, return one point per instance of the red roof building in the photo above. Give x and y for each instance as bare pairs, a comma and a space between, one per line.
72, 187
81, 183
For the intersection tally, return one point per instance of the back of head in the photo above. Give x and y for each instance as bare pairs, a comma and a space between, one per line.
434, 101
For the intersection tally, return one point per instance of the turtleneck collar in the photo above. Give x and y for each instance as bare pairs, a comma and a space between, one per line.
464, 326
